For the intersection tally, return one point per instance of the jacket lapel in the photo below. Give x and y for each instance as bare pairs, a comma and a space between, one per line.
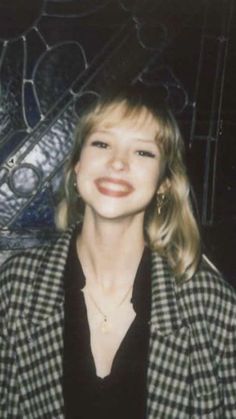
47, 294
165, 313
40, 340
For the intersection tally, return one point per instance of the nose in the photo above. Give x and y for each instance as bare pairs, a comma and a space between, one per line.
119, 162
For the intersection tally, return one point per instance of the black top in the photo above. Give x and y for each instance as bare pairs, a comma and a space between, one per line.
121, 394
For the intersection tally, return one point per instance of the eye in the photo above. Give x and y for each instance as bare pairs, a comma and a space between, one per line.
145, 153
99, 144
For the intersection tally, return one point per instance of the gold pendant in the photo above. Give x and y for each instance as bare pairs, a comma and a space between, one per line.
106, 326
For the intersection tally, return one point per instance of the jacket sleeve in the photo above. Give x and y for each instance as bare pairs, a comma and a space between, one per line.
8, 385
4, 305
210, 302
220, 306
228, 373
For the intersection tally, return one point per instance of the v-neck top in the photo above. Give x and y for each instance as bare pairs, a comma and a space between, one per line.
121, 394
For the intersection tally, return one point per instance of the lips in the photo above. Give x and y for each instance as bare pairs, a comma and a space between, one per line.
113, 187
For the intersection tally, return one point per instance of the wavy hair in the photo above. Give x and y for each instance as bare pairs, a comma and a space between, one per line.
171, 231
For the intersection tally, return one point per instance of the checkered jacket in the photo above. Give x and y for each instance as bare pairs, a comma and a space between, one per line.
192, 360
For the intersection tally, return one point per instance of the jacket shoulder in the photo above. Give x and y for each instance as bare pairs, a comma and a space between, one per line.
26, 262
208, 296
208, 283
17, 272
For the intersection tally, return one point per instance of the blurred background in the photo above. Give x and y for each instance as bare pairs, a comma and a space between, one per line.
56, 55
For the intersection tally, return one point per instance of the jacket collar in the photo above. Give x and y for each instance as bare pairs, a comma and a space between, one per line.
165, 310
47, 292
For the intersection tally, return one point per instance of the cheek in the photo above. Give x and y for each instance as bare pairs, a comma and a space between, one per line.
84, 166
150, 177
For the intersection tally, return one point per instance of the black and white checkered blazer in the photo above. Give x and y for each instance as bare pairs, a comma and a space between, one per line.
192, 359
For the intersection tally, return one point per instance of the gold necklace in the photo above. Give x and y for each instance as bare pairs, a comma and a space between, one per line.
106, 324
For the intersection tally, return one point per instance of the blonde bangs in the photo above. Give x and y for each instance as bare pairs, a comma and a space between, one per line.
108, 115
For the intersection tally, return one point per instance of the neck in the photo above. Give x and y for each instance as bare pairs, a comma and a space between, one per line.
110, 250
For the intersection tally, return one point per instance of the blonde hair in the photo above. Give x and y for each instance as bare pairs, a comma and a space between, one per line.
173, 231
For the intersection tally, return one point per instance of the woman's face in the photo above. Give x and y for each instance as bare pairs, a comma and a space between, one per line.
120, 167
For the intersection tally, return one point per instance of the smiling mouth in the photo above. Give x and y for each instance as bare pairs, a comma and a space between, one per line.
113, 187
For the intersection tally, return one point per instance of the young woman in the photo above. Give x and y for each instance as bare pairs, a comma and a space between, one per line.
122, 317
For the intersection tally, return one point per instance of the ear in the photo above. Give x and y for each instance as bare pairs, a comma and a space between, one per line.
76, 168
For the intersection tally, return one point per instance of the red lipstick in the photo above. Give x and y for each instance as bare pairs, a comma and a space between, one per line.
105, 185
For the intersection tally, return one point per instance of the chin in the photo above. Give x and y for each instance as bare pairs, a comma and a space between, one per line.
110, 215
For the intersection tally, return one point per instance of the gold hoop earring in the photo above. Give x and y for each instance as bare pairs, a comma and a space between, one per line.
160, 202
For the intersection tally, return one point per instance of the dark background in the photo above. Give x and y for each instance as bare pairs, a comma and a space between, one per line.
55, 55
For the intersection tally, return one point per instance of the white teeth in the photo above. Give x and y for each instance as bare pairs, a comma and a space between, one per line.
114, 186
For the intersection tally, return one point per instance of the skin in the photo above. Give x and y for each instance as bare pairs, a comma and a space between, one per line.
119, 172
